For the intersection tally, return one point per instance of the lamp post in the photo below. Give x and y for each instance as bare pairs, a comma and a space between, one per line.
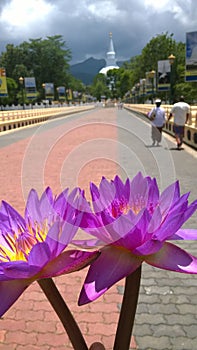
45, 103
171, 59
152, 76
138, 91
0, 89
143, 88
133, 93
21, 81
43, 86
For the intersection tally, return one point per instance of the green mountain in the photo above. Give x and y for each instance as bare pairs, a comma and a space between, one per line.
86, 70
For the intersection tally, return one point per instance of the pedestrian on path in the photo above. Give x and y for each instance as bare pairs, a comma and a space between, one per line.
157, 116
180, 111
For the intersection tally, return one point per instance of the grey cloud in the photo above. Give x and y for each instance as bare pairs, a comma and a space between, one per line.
85, 25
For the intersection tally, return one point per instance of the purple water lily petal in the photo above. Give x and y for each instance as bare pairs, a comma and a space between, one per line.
172, 224
53, 239
14, 219
10, 292
190, 210
134, 233
100, 200
173, 258
111, 266
149, 247
40, 255
60, 205
138, 193
121, 188
69, 261
185, 234
47, 205
168, 197
155, 221
19, 270
32, 210
153, 195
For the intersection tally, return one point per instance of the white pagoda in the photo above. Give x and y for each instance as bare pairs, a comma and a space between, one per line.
111, 58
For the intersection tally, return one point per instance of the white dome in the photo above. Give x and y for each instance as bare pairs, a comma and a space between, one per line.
106, 69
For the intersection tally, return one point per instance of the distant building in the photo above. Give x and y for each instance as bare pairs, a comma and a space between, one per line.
111, 58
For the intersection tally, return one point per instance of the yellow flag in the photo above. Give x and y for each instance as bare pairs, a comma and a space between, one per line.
3, 83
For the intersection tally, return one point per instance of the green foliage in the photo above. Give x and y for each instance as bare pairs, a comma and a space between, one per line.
99, 87
45, 59
158, 48
48, 61
188, 90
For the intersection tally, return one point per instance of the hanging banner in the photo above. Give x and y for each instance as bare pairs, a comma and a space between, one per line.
69, 94
191, 57
30, 88
49, 90
61, 92
3, 83
164, 71
150, 83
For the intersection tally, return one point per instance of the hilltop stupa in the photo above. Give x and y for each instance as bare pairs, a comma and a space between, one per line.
111, 58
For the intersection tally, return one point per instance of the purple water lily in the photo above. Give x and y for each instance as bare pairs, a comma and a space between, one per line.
33, 247
133, 222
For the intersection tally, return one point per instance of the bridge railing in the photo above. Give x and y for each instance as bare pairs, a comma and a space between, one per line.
14, 119
190, 137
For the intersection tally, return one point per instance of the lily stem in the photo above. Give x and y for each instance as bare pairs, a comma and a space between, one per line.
128, 310
50, 290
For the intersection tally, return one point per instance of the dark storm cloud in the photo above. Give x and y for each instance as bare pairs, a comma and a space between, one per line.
85, 24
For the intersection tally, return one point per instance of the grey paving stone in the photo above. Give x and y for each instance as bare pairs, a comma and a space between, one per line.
183, 343
168, 330
154, 343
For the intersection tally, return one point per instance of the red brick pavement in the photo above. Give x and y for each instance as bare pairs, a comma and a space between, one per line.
75, 153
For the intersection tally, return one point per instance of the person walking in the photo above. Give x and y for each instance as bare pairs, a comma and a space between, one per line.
180, 111
157, 116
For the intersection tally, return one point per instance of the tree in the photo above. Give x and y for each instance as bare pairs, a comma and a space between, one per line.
45, 59
124, 82
99, 87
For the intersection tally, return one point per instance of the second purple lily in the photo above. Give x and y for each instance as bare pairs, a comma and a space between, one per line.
33, 247
133, 223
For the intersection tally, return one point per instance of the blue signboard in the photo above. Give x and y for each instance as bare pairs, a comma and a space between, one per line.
191, 57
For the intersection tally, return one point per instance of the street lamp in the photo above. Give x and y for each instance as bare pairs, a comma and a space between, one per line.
21, 81
152, 76
43, 86
171, 59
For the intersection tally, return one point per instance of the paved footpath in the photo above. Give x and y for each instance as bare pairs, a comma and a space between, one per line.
74, 151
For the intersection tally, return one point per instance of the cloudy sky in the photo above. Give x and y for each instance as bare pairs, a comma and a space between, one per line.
85, 24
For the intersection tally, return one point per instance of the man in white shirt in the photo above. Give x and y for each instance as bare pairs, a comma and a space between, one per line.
180, 111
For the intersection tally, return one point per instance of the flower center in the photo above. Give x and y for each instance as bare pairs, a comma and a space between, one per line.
121, 206
137, 203
17, 245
